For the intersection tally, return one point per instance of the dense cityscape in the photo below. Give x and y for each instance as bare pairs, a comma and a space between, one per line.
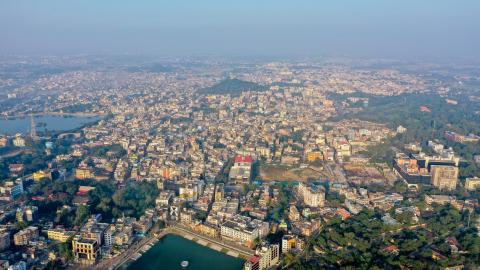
285, 165
239, 135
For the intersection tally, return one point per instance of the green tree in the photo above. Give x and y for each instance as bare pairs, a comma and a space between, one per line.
81, 215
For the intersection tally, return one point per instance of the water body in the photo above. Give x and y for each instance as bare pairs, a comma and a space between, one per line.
171, 250
44, 122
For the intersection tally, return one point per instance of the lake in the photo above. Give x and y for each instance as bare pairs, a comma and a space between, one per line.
171, 250
45, 122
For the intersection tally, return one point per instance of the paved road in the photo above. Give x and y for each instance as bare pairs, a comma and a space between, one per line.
239, 249
119, 260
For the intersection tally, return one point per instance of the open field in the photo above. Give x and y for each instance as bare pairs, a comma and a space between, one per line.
272, 172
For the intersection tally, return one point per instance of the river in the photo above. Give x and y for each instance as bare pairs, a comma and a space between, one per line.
171, 250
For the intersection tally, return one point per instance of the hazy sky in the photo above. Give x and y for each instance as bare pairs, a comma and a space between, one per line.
380, 28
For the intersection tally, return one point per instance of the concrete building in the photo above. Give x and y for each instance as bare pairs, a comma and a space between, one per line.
60, 235
243, 229
444, 177
269, 256
23, 237
85, 251
313, 196
21, 265
4, 240
241, 169
291, 242
472, 183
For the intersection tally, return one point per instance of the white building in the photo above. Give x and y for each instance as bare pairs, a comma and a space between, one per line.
269, 256
244, 229
313, 196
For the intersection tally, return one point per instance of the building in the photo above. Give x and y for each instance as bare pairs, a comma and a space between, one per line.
29, 213
269, 256
208, 229
120, 233
240, 172
3, 141
83, 173
440, 199
23, 237
243, 229
291, 242
472, 183
253, 263
313, 196
41, 175
19, 141
12, 189
314, 155
444, 177
293, 214
60, 235
94, 229
4, 240
21, 265
85, 251
219, 192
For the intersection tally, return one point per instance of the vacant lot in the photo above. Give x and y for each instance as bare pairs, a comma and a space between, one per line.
272, 172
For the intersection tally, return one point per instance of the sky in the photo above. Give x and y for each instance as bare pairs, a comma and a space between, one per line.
361, 28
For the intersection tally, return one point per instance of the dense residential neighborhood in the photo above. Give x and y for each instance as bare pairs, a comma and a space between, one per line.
276, 164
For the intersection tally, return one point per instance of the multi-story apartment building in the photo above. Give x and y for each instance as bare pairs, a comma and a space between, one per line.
243, 229
444, 177
313, 196
85, 251
4, 239
23, 237
60, 235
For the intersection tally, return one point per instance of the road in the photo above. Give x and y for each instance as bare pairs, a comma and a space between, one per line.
121, 259
116, 262
224, 244
337, 174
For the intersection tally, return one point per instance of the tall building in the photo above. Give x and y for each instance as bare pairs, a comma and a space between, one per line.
4, 240
265, 257
241, 170
293, 214
444, 177
219, 192
85, 251
313, 196
291, 242
23, 237
269, 256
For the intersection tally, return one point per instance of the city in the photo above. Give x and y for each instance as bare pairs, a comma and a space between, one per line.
210, 162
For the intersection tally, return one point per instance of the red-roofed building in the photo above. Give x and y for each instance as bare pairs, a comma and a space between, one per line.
253, 263
424, 109
343, 213
241, 169
83, 190
391, 249
241, 159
